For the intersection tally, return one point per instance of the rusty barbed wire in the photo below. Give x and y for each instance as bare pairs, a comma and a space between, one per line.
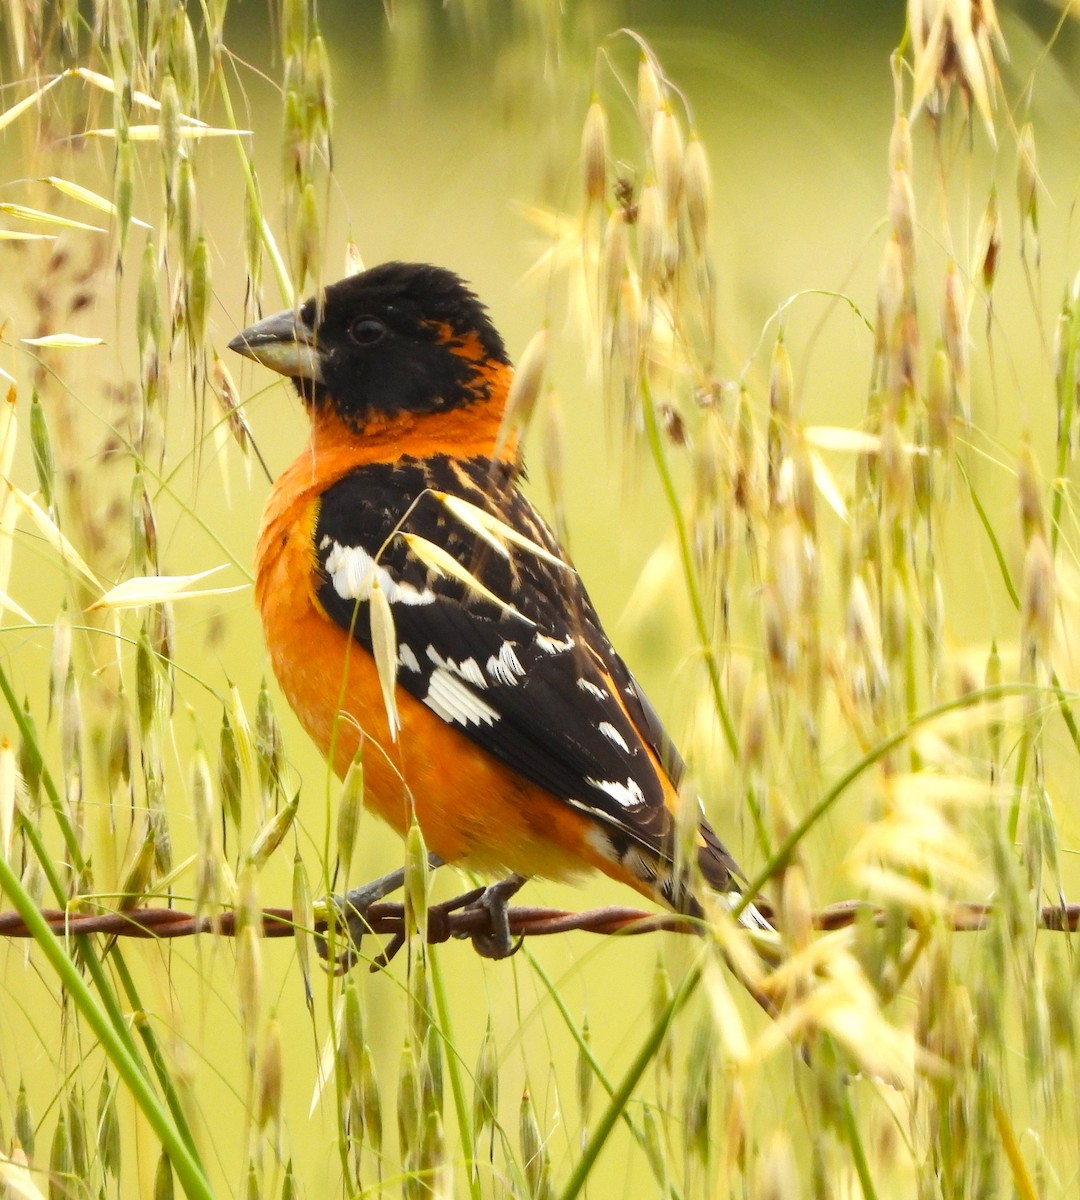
449, 920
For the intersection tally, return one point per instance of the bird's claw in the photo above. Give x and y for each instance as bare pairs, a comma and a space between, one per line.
497, 941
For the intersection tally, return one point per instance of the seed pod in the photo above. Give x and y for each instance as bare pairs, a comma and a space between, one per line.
384, 651
317, 91
77, 1133
533, 1155
60, 1165
408, 1106
253, 1188
697, 188
136, 881
231, 404
352, 1032
309, 238
613, 254
249, 980
939, 401
431, 1073
59, 659
198, 293
995, 728
654, 1145
954, 324
990, 241
273, 832
186, 209
147, 302
649, 94
902, 216
486, 1083
697, 1098
354, 264
268, 747
71, 739
666, 145
202, 799
303, 923
228, 774
524, 391
24, 1122
1027, 179
184, 61
594, 152
349, 809
1032, 514
781, 386
417, 878
123, 194
370, 1102
169, 129
294, 28
163, 1178
650, 236
253, 238
41, 445
1037, 601
268, 1088
108, 1128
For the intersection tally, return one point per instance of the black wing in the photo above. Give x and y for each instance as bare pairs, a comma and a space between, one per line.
520, 663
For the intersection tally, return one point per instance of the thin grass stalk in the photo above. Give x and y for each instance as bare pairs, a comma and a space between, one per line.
871, 758
87, 953
623, 1093
188, 1167
594, 1064
453, 1067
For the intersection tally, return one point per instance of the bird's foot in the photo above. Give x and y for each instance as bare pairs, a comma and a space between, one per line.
352, 916
497, 941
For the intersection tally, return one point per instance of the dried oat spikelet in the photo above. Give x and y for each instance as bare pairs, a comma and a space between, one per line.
350, 807
1027, 190
524, 391
954, 41
594, 154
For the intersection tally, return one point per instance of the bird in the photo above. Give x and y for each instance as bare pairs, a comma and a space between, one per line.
516, 736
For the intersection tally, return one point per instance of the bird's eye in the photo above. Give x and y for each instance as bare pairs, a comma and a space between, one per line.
366, 331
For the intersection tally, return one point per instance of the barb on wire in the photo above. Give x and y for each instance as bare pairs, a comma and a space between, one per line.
446, 921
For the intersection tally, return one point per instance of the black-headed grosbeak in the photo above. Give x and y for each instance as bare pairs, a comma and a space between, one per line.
525, 744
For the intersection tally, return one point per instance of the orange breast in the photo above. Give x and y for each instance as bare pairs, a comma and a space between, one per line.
472, 809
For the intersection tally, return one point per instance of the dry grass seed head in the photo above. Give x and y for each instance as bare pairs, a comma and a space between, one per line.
594, 154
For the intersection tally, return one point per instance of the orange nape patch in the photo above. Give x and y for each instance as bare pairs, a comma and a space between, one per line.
491, 376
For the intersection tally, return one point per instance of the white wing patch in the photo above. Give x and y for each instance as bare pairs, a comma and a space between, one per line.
552, 646
626, 795
613, 735
407, 657
504, 667
451, 698
352, 569
588, 686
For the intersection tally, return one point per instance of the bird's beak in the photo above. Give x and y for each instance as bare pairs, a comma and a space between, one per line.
284, 343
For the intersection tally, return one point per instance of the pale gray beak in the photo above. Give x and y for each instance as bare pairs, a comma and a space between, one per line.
284, 343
